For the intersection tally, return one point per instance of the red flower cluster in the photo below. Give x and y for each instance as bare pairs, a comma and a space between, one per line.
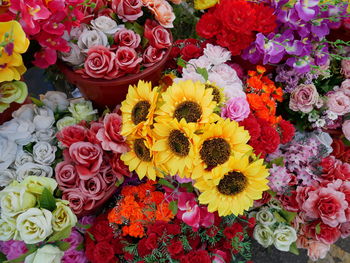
234, 23
340, 150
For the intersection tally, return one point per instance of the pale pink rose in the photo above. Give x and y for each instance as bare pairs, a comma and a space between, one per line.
75, 198
303, 98
345, 87
126, 58
157, 35
152, 55
87, 157
236, 109
338, 103
127, 38
345, 68
66, 175
100, 63
327, 204
109, 135
127, 10
94, 188
317, 250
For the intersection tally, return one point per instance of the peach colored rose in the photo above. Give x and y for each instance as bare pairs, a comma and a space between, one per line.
127, 10
127, 38
152, 55
127, 59
338, 103
162, 11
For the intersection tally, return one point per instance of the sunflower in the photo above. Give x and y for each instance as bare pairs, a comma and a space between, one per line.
187, 100
220, 142
138, 109
218, 95
176, 146
239, 183
141, 158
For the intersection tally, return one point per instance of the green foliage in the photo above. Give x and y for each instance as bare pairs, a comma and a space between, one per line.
2, 257
203, 72
37, 102
288, 216
181, 62
318, 228
60, 235
293, 249
173, 207
184, 24
166, 183
29, 147
47, 200
136, 27
63, 245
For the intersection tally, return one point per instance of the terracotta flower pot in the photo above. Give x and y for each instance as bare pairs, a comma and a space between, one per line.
112, 92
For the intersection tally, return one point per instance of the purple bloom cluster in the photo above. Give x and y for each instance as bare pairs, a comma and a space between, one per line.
75, 254
298, 40
13, 249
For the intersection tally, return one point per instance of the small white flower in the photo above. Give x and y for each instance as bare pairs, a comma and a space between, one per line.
74, 57
43, 119
25, 112
106, 25
33, 169
82, 110
55, 100
274, 203
44, 153
45, 135
8, 229
284, 236
331, 115
265, 217
18, 130
263, 235
7, 176
63, 216
320, 123
313, 116
66, 121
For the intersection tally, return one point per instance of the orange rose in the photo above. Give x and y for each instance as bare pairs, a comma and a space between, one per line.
162, 11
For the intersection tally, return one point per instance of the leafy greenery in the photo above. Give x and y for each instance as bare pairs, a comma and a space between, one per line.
60, 235
47, 200
183, 24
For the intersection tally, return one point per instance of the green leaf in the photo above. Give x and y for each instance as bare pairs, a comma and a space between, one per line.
119, 182
37, 102
346, 141
166, 183
278, 217
47, 200
278, 161
318, 228
83, 226
80, 247
60, 235
63, 245
272, 193
293, 249
203, 72
188, 186
29, 147
136, 27
288, 216
144, 42
91, 235
2, 257
173, 207
181, 62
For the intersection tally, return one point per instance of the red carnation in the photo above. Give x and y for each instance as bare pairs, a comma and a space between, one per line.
235, 230
173, 229
175, 248
269, 136
201, 256
194, 241
208, 26
102, 231
158, 228
251, 124
142, 249
151, 241
265, 19
287, 131
103, 252
191, 51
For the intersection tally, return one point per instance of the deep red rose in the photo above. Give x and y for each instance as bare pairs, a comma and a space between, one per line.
126, 59
175, 247
71, 134
142, 248
289, 201
208, 26
151, 241
233, 231
103, 252
173, 229
338, 148
287, 131
102, 231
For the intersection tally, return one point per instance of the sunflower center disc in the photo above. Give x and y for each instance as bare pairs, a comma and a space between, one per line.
216, 93
232, 183
215, 152
141, 151
140, 111
188, 110
179, 143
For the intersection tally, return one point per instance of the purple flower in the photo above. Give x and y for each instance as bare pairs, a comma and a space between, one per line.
75, 239
236, 109
13, 249
307, 9
85, 221
74, 256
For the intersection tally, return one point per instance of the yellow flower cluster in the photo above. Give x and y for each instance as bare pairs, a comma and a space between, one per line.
177, 132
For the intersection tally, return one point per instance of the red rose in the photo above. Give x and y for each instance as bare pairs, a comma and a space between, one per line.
151, 241
142, 248
328, 235
342, 172
127, 38
100, 63
233, 231
66, 175
175, 247
266, 197
127, 10
329, 164
102, 231
103, 252
208, 26
338, 148
87, 157
173, 229
157, 35
191, 51
126, 58
303, 194
71, 134
91, 133
289, 201
287, 131
152, 55
118, 166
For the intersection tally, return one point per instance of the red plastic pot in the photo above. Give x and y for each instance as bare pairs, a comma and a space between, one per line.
109, 93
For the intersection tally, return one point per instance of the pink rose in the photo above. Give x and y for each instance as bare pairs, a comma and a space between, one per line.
152, 55
91, 133
303, 194
94, 188
157, 35
338, 103
327, 204
127, 38
66, 175
118, 168
100, 63
345, 68
303, 98
71, 134
346, 129
342, 171
317, 250
109, 135
345, 87
345, 229
236, 109
328, 235
87, 157
127, 59
127, 10
75, 198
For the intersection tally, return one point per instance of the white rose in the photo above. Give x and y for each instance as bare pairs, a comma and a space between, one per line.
284, 236
7, 176
36, 185
18, 130
265, 217
23, 157
25, 112
34, 225
8, 150
66, 121
106, 25
33, 169
55, 100
274, 203
91, 38
74, 57
263, 235
8, 229
45, 135
47, 254
82, 110
74, 33
14, 199
44, 153
216, 54
43, 119
63, 217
